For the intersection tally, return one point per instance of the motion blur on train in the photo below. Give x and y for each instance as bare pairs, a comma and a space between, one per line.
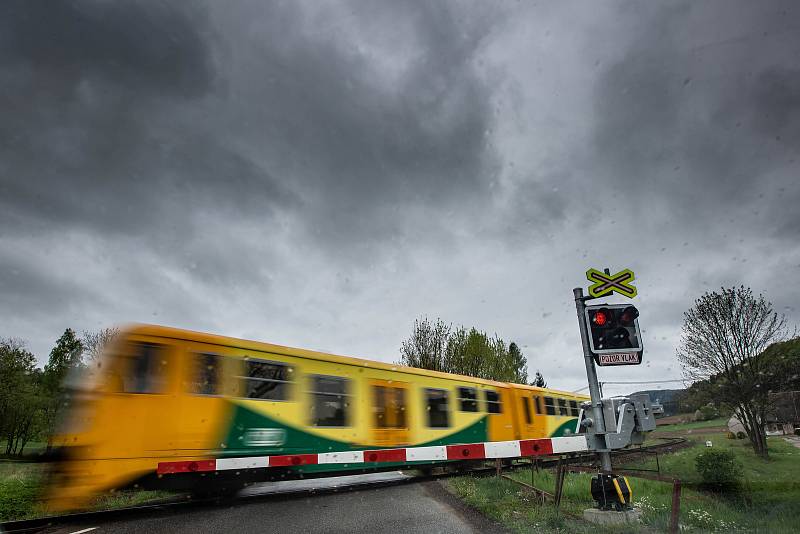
162, 395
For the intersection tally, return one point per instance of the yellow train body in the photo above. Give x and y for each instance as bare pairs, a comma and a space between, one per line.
163, 394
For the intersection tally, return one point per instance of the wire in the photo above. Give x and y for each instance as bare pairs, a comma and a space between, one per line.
620, 383
645, 382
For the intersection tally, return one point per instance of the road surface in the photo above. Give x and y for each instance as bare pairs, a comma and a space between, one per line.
410, 507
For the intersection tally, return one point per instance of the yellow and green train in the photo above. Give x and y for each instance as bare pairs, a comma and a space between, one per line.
168, 395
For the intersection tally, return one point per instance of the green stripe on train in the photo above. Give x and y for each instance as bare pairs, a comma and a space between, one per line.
565, 429
298, 441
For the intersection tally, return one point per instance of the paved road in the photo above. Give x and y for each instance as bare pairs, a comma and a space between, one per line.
414, 507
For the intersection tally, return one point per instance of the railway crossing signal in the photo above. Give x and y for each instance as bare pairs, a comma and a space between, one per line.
606, 283
614, 335
610, 335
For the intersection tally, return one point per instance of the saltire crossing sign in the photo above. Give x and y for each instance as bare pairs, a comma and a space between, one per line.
605, 284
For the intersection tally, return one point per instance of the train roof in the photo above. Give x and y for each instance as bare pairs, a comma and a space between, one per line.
178, 333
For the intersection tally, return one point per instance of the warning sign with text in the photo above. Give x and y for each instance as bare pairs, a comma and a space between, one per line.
619, 358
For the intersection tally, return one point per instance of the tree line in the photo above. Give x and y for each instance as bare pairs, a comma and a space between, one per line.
32, 399
442, 347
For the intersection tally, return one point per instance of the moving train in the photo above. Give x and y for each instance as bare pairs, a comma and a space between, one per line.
161, 394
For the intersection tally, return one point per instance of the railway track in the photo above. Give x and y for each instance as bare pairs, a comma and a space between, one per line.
52, 522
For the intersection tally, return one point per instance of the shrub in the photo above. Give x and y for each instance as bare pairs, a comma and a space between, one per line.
698, 416
709, 412
740, 435
718, 470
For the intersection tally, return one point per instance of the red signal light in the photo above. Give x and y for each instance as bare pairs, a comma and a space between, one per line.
600, 318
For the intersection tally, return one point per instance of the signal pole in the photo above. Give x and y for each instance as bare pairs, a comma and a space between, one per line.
594, 388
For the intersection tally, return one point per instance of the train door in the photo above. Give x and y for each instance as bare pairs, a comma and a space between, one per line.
142, 395
538, 416
526, 415
390, 414
206, 379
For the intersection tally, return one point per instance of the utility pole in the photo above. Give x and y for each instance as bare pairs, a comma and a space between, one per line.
598, 420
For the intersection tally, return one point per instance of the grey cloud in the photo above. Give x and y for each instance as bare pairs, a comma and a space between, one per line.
321, 174
357, 145
140, 48
696, 126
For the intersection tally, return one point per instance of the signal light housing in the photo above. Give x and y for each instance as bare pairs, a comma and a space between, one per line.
613, 328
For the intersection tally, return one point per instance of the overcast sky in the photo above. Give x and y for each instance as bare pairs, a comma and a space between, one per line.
319, 174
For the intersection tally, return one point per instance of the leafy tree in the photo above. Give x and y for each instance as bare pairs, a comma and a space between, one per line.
519, 364
723, 336
468, 353
539, 380
20, 395
65, 357
784, 358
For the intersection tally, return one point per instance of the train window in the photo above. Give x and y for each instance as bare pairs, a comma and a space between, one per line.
267, 380
468, 399
550, 405
573, 408
147, 369
331, 401
527, 409
436, 406
493, 402
562, 407
205, 374
537, 401
390, 407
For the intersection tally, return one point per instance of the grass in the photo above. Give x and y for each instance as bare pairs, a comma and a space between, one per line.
19, 488
766, 502
21, 485
689, 428
518, 510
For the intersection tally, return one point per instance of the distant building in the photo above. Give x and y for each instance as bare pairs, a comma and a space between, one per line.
785, 414
783, 418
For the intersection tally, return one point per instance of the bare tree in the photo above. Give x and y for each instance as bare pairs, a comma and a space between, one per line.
724, 335
426, 346
440, 347
539, 381
94, 343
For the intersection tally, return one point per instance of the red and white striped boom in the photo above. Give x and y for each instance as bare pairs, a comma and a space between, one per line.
469, 451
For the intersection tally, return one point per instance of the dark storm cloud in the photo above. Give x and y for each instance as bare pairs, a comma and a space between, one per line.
201, 138
113, 116
151, 48
81, 84
320, 174
359, 143
701, 126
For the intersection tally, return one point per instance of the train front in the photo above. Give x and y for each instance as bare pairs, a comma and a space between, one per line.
104, 436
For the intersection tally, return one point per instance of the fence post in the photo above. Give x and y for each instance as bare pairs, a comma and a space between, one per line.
676, 506
561, 472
